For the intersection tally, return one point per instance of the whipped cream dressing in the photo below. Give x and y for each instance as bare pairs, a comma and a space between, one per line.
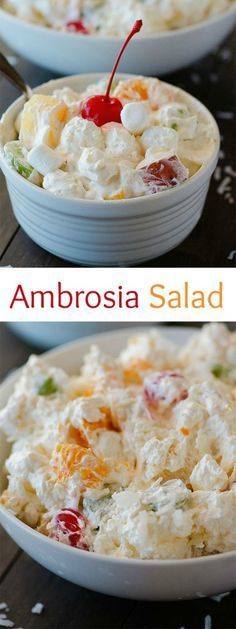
162, 140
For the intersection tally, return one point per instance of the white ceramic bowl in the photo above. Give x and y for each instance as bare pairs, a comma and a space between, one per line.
128, 578
106, 232
68, 53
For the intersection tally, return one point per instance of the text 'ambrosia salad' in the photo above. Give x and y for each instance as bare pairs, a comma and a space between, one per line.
134, 457
109, 17
158, 140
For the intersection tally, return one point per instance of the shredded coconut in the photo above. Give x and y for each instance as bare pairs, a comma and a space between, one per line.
218, 598
37, 609
208, 622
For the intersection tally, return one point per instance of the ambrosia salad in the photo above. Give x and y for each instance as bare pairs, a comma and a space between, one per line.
135, 456
109, 17
151, 139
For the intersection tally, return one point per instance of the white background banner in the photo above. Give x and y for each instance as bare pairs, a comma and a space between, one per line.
111, 294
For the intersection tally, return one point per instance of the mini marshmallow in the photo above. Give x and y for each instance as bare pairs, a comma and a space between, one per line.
64, 184
79, 134
177, 117
162, 138
131, 181
95, 165
135, 117
207, 475
120, 143
155, 155
44, 160
68, 95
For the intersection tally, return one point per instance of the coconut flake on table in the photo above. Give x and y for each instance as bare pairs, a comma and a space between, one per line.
225, 115
225, 54
207, 622
4, 622
224, 176
218, 598
231, 255
37, 609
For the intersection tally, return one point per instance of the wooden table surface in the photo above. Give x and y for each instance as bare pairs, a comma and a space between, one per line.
24, 583
213, 242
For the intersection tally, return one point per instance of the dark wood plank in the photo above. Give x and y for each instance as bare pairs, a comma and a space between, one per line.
13, 351
71, 607
8, 224
188, 614
9, 552
66, 605
23, 252
33, 75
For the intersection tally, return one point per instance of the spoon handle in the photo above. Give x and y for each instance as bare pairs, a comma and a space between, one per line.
12, 75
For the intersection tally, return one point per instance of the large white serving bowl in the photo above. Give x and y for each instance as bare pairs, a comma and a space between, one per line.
129, 578
106, 232
69, 53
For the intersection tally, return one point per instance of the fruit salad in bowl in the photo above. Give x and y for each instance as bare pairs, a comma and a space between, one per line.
108, 170
117, 457
156, 141
107, 17
133, 457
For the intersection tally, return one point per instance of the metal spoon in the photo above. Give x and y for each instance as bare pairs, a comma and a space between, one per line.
14, 77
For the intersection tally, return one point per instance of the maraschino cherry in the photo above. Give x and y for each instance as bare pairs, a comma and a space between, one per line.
69, 527
77, 26
102, 109
164, 174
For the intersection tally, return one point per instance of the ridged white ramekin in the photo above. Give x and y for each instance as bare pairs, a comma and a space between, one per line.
101, 232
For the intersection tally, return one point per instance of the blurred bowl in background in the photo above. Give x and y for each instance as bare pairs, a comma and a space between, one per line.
49, 335
70, 53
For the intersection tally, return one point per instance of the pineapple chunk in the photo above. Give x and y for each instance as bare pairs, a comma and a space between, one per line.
43, 119
116, 197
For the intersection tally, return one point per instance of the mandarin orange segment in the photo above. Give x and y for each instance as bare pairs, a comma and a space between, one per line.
93, 426
76, 435
132, 90
69, 458
105, 423
108, 416
92, 477
116, 197
185, 431
133, 374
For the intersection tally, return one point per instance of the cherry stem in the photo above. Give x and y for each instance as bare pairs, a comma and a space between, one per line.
136, 29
